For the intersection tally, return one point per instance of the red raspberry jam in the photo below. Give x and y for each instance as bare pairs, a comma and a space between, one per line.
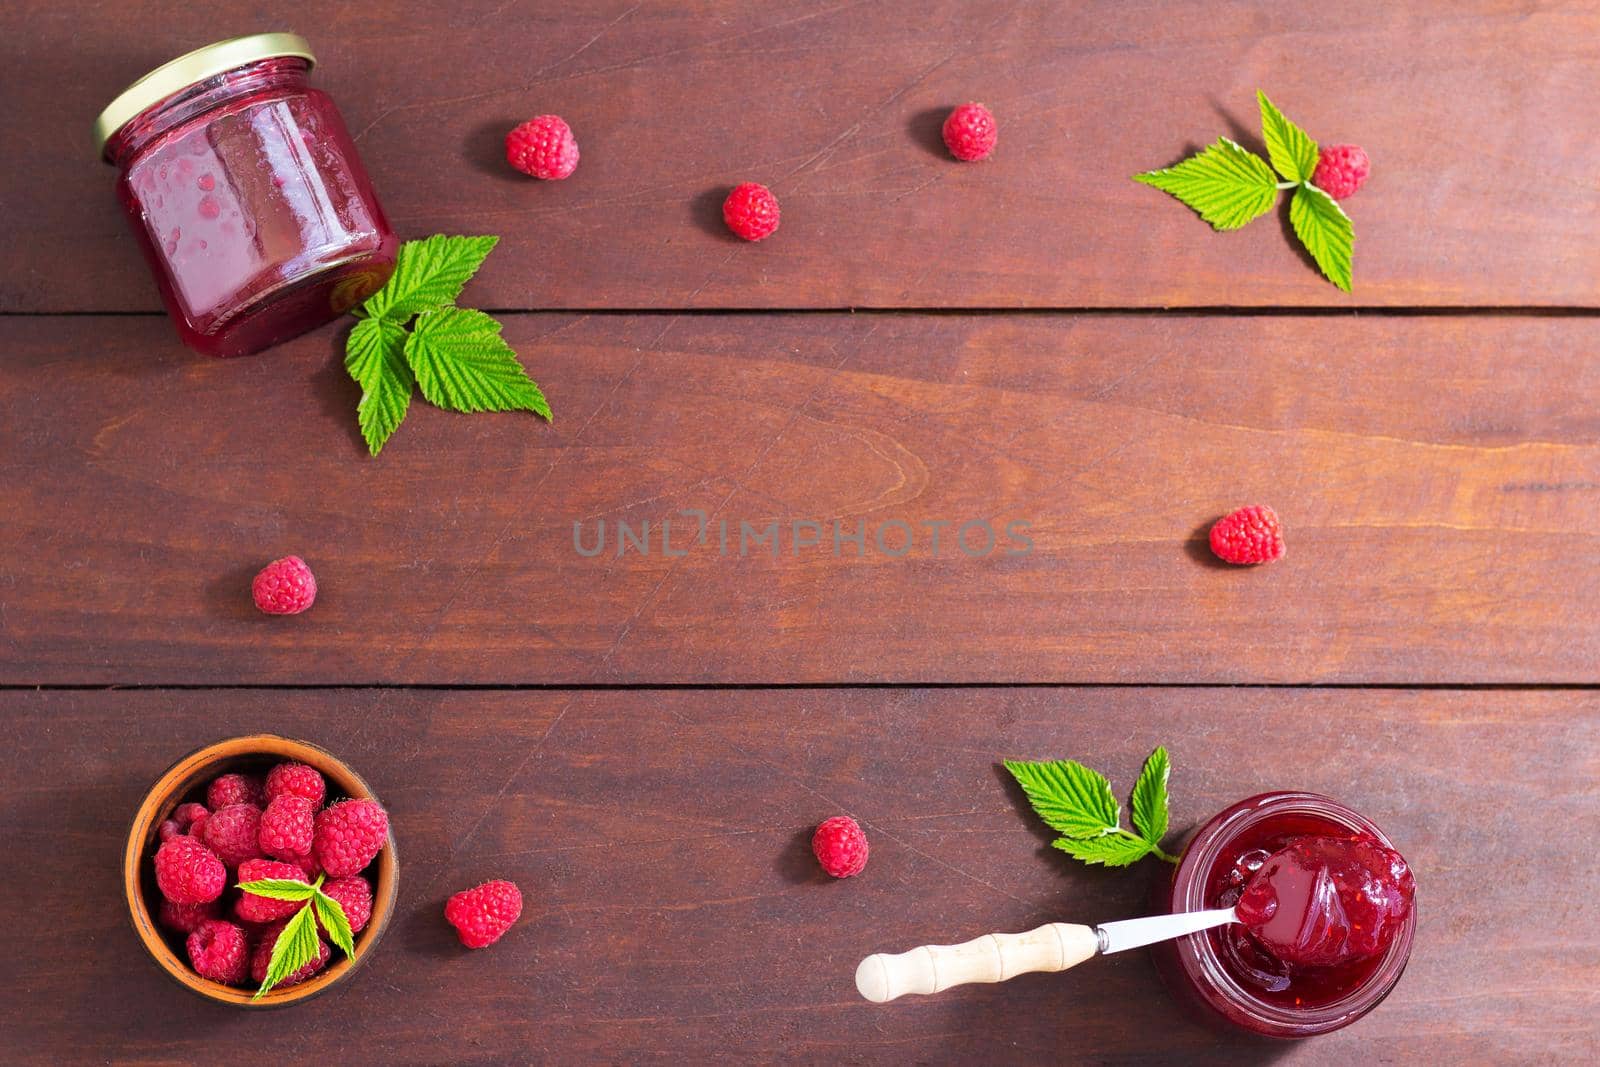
1326, 908
1321, 903
246, 193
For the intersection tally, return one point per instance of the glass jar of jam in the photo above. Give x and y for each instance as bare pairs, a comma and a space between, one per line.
1225, 972
244, 189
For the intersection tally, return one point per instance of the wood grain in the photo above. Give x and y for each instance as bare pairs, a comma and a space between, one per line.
1483, 189
1437, 477
674, 911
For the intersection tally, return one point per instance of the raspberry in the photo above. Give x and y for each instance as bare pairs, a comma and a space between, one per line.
296, 779
840, 846
482, 914
970, 132
307, 863
198, 827
235, 789
1248, 535
751, 211
286, 827
1341, 170
256, 909
348, 835
188, 813
284, 587
262, 958
187, 918
234, 833
219, 951
169, 829
355, 897
188, 872
543, 147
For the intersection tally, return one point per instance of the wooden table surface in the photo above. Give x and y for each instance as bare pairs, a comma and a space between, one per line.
643, 740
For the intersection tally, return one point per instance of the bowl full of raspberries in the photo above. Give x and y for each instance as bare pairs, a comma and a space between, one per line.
260, 871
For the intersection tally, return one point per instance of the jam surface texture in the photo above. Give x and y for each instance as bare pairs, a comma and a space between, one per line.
1317, 910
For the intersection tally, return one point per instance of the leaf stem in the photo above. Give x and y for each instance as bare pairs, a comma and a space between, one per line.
1159, 854
1287, 185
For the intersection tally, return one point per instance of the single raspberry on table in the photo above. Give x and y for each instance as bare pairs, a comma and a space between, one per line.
751, 211
187, 918
296, 779
187, 872
1249, 535
840, 846
258, 909
219, 951
970, 132
234, 833
284, 587
1341, 170
235, 789
543, 147
482, 914
348, 835
186, 814
354, 895
261, 959
286, 827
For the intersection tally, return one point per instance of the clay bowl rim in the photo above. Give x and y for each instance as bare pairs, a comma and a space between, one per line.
165, 794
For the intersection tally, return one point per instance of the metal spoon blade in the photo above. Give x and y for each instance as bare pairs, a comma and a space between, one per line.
1132, 933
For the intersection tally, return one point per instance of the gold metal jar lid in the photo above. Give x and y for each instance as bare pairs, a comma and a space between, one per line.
186, 70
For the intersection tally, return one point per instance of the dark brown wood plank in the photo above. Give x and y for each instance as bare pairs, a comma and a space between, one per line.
1437, 477
1474, 113
674, 911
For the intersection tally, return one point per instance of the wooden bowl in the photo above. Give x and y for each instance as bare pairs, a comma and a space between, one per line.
254, 754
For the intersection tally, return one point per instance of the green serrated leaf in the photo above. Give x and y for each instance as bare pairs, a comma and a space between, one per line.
330, 913
278, 888
462, 363
1112, 850
1069, 797
374, 355
1225, 184
428, 274
296, 946
1148, 803
1293, 152
1326, 231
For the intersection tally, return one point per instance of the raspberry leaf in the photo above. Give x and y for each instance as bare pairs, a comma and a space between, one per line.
1226, 185
374, 355
463, 364
1148, 803
1293, 152
296, 946
1069, 797
1117, 849
428, 274
1325, 230
331, 914
279, 889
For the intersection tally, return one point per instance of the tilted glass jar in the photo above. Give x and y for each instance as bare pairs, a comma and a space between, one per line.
245, 190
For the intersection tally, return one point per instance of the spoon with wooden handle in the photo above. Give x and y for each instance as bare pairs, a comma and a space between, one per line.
997, 957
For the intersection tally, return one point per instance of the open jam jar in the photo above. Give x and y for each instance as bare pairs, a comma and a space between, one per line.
1229, 974
246, 193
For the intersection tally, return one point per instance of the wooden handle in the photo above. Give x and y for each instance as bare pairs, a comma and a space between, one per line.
990, 958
